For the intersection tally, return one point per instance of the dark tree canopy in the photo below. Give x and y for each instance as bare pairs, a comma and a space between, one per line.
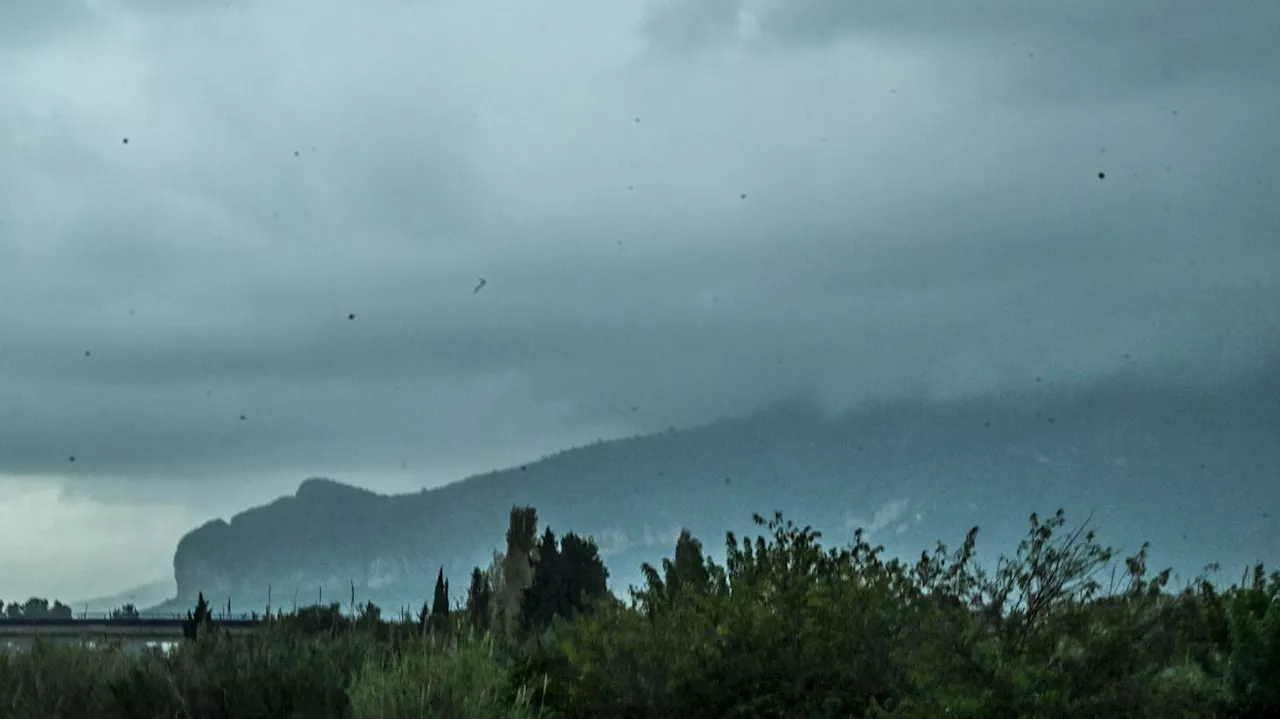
479, 599
567, 576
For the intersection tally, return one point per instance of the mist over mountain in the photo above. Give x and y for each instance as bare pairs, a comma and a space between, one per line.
1191, 470
140, 596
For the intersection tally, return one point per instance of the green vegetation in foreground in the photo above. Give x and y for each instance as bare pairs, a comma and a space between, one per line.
786, 628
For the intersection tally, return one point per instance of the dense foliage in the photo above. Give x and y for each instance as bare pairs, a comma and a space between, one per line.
35, 608
787, 627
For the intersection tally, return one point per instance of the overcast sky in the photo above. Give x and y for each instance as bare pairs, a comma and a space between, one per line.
687, 207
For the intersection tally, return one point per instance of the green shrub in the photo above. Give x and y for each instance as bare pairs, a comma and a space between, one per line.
785, 628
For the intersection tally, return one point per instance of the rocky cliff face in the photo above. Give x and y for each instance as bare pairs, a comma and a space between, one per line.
322, 540
1145, 461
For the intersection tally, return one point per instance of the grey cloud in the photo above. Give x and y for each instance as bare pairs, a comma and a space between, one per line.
1039, 52
686, 27
949, 239
23, 24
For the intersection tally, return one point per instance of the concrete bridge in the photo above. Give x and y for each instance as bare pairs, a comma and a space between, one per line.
131, 632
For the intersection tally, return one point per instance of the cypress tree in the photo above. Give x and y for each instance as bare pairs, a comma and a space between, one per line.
517, 564
479, 596
440, 603
198, 619
545, 596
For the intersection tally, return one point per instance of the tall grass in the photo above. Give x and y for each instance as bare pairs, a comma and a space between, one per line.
275, 673
461, 679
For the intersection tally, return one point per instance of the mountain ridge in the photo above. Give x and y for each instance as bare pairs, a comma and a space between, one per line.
918, 471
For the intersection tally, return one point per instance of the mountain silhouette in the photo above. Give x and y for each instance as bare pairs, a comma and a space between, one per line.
1192, 470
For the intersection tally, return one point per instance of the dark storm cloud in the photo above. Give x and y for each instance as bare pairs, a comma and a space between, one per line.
1044, 52
689, 235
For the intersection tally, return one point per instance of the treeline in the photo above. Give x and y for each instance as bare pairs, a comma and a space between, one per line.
39, 608
34, 608
1065, 627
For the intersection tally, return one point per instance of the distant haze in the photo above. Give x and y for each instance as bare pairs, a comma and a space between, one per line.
242, 243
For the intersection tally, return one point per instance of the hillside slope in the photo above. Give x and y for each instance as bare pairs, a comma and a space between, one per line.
1193, 471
